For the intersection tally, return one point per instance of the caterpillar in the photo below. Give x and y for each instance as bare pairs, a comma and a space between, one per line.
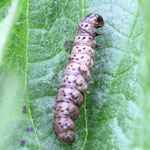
76, 77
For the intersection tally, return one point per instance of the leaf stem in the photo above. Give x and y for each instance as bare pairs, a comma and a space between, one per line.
86, 126
85, 111
26, 78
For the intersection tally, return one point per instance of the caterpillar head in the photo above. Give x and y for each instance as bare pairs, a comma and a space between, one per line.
95, 19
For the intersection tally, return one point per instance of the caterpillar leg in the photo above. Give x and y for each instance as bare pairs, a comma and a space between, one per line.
83, 106
91, 82
98, 46
88, 92
97, 34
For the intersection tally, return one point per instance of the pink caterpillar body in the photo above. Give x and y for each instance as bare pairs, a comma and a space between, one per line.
76, 77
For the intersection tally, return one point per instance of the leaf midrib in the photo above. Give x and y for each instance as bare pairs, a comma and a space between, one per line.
26, 79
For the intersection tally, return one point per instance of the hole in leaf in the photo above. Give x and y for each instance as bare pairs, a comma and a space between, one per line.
68, 46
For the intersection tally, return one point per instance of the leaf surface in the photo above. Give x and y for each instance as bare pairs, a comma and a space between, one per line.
35, 49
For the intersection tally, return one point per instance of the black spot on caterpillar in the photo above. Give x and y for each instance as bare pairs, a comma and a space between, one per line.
76, 76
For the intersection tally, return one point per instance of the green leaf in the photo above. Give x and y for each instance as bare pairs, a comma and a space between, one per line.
145, 76
35, 49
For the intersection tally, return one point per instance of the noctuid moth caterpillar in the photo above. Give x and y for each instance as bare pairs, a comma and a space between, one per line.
76, 76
